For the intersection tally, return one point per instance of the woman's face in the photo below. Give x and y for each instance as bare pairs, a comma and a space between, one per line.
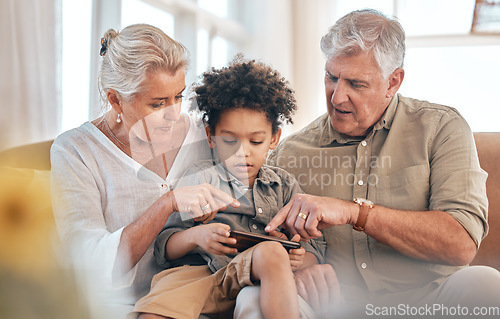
152, 113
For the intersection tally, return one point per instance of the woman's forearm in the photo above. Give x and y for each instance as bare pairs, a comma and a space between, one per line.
138, 236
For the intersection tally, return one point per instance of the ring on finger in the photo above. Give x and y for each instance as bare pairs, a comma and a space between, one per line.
205, 207
303, 216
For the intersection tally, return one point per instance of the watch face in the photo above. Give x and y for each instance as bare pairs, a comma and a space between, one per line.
365, 201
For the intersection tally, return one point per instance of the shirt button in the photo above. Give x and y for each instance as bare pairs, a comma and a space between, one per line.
259, 210
363, 143
164, 186
360, 183
363, 265
254, 226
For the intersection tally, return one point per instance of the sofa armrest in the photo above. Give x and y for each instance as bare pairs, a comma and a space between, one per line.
35, 156
488, 149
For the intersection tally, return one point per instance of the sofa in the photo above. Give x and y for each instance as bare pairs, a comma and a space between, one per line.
27, 226
34, 283
37, 156
488, 150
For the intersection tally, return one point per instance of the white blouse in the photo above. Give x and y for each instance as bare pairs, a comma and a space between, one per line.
97, 190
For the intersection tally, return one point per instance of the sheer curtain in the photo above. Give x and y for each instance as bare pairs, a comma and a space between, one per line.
286, 34
30, 36
310, 23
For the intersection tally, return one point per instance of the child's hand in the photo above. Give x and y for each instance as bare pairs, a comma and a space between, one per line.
296, 255
211, 237
278, 234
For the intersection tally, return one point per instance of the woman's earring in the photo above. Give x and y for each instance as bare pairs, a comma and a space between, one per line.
118, 119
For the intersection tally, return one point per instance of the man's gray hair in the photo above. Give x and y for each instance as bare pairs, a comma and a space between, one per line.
370, 31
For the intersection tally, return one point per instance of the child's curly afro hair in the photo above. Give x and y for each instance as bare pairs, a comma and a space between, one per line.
244, 84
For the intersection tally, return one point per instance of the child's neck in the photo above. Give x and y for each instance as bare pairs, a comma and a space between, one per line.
248, 182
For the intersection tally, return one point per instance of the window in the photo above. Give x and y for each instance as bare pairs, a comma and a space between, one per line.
444, 63
137, 11
429, 17
460, 76
206, 27
419, 18
217, 7
75, 63
202, 60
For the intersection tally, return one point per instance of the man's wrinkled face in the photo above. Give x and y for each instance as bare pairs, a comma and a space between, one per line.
356, 93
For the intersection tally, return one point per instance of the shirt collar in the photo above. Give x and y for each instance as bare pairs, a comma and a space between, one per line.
266, 175
330, 135
327, 133
224, 174
388, 117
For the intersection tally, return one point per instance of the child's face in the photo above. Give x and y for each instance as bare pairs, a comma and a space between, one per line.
242, 140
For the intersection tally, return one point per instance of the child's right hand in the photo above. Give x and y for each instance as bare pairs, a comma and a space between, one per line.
212, 238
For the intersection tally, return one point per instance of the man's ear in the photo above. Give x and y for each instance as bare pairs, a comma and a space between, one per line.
275, 139
209, 137
395, 81
114, 100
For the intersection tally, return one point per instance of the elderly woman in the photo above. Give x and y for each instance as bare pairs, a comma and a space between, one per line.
113, 177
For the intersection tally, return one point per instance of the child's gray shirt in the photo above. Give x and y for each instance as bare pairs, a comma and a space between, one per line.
273, 188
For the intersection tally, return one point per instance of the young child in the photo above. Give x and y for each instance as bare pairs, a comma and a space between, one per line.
243, 106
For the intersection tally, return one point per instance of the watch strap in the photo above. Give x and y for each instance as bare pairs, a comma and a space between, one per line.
363, 215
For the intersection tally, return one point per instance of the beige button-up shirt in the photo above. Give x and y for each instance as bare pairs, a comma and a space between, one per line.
419, 156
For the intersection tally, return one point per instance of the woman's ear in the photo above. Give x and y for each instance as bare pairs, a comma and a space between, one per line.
209, 137
275, 139
114, 100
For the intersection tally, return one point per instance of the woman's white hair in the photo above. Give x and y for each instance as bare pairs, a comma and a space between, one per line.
130, 54
367, 30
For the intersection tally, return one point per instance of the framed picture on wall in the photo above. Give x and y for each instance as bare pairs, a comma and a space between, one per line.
486, 17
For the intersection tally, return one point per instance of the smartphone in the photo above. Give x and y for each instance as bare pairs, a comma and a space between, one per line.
245, 240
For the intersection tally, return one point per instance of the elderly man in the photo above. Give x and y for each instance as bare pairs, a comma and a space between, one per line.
393, 183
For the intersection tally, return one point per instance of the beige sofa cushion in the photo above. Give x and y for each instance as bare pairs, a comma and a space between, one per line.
27, 228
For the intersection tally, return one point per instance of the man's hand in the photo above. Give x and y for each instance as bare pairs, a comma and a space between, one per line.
306, 215
318, 285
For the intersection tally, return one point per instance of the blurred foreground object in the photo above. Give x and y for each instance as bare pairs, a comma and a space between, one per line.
33, 284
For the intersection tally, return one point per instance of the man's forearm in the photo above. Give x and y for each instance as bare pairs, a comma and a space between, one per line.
433, 236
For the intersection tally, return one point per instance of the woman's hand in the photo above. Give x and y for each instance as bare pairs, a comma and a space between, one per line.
212, 238
201, 202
